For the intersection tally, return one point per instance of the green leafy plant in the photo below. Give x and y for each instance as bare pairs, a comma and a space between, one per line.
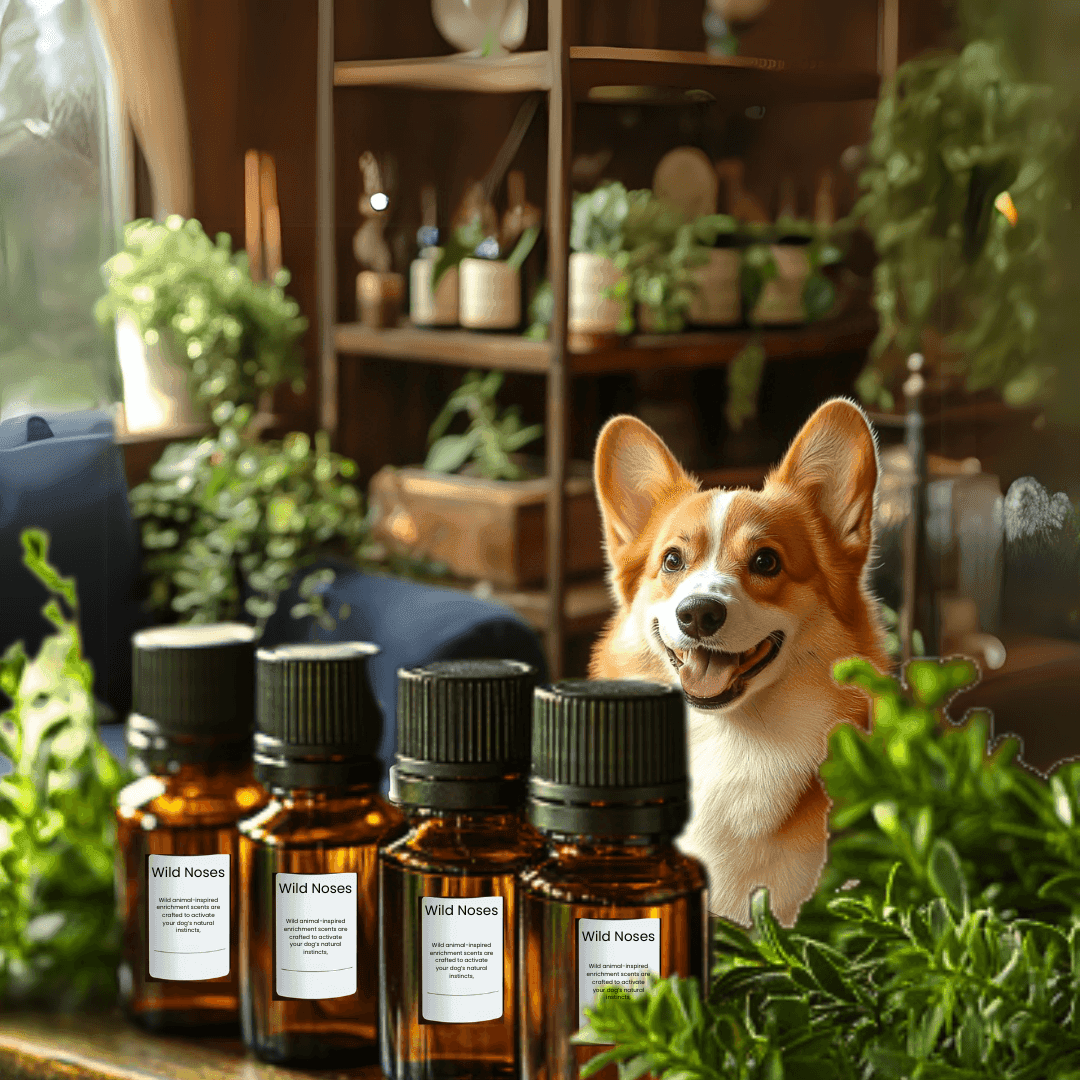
934, 991
944, 936
467, 241
227, 521
598, 220
490, 440
59, 939
951, 134
661, 249
824, 248
237, 338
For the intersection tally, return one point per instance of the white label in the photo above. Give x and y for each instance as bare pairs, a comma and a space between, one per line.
188, 907
462, 956
615, 953
316, 935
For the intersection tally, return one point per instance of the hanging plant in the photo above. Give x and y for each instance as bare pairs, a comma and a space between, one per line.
961, 198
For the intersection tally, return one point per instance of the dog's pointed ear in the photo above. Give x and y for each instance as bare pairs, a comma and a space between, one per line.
835, 458
633, 471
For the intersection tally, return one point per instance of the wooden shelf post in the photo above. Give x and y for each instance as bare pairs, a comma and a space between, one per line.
326, 276
560, 139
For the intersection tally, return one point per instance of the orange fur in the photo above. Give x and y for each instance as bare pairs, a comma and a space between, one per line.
760, 812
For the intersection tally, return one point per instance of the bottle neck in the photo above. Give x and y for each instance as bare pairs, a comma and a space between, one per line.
574, 844
492, 816
186, 772
320, 796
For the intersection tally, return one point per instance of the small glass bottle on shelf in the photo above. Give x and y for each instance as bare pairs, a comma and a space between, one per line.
189, 736
309, 989
447, 877
612, 900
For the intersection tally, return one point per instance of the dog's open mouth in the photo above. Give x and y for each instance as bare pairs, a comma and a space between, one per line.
710, 678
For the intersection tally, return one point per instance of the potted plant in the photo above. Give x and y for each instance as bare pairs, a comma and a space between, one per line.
477, 505
718, 292
662, 252
235, 339
780, 286
964, 196
489, 287
229, 519
596, 239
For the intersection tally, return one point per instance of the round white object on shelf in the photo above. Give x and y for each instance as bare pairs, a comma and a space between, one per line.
468, 24
738, 11
686, 178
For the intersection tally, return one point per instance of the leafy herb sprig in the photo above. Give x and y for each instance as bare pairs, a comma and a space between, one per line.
934, 991
943, 940
59, 940
490, 440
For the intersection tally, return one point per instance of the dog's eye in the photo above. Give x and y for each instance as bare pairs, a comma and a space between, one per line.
765, 562
673, 561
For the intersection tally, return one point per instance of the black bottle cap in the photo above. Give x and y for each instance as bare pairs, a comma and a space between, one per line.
318, 723
463, 734
608, 759
192, 694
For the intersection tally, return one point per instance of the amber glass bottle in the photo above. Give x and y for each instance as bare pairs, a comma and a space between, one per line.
189, 738
308, 911
447, 877
612, 900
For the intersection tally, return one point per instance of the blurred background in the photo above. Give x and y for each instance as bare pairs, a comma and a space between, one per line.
822, 192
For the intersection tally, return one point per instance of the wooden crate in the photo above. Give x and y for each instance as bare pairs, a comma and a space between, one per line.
488, 530
493, 530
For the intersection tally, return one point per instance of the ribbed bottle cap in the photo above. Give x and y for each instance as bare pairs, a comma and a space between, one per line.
608, 759
463, 734
318, 723
192, 688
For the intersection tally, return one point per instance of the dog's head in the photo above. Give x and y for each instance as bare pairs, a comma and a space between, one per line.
737, 588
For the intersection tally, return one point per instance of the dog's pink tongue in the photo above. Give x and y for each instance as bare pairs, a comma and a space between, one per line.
706, 673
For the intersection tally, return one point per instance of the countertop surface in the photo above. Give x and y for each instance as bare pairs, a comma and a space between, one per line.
106, 1047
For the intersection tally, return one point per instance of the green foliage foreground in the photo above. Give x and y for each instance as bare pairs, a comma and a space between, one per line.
943, 940
59, 937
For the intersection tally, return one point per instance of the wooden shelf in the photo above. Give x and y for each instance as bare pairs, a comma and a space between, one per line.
513, 74
511, 352
618, 75
594, 70
463, 348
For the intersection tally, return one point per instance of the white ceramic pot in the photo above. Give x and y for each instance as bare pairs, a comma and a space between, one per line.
156, 392
718, 300
428, 307
489, 295
781, 299
592, 309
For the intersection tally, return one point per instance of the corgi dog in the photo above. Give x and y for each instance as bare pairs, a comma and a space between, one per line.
746, 599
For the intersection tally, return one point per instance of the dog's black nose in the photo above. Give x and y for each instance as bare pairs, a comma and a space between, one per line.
700, 616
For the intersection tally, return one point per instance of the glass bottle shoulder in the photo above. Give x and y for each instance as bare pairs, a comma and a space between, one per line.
459, 843
190, 797
613, 873
315, 819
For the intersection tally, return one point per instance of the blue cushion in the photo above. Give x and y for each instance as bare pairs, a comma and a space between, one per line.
63, 473
413, 624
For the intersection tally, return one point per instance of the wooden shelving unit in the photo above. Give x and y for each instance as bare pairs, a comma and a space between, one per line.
642, 352
568, 74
